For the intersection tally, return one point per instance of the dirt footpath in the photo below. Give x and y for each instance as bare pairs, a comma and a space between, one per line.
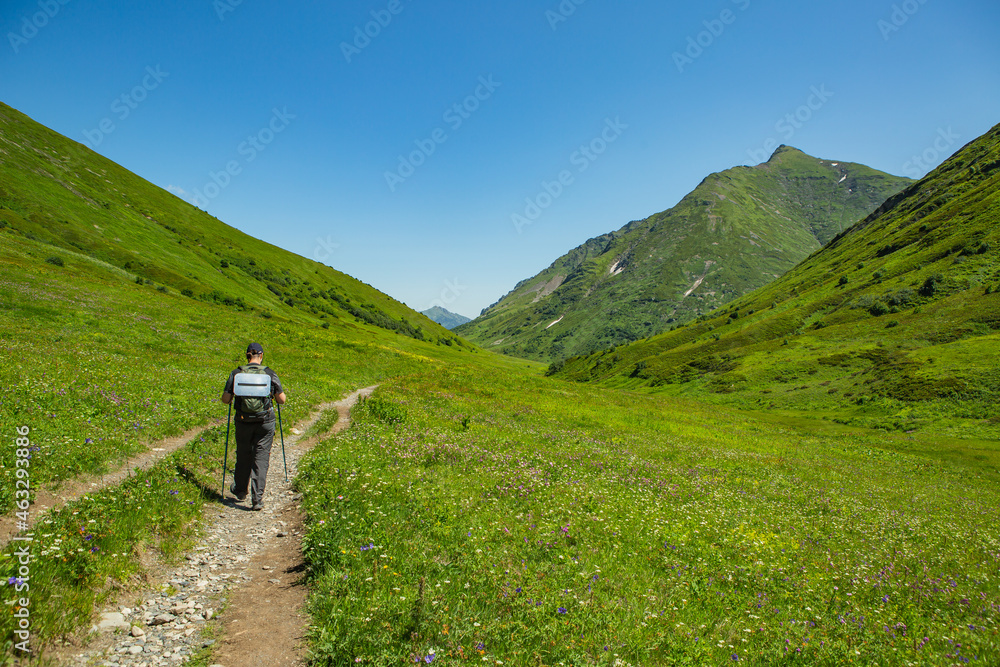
248, 564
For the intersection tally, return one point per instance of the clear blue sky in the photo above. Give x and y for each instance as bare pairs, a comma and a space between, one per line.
200, 78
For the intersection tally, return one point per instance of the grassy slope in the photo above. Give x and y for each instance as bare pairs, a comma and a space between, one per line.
893, 324
737, 231
59, 192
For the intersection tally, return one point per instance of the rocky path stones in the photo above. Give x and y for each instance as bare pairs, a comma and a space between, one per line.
247, 564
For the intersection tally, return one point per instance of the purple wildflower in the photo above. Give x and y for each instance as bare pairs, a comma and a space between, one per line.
561, 610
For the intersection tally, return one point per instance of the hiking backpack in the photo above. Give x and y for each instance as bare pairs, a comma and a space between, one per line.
252, 407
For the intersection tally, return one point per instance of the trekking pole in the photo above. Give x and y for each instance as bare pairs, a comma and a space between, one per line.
282, 433
225, 458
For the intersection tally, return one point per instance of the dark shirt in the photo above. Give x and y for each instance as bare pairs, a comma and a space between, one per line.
275, 383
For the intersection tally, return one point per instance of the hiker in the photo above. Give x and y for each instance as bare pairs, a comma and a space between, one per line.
254, 430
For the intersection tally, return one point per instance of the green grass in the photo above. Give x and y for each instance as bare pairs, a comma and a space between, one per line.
519, 520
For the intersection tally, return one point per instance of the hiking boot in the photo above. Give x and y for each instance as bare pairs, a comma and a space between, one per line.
258, 506
239, 496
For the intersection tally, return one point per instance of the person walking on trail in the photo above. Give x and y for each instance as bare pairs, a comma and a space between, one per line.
254, 429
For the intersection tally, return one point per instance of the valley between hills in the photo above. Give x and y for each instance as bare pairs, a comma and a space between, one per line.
759, 427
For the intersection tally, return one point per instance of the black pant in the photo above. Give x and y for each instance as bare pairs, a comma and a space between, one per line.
253, 456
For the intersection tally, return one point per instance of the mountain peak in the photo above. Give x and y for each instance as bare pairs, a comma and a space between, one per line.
782, 151
444, 317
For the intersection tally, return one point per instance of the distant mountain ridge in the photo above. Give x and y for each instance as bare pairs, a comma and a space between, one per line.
895, 313
444, 317
737, 231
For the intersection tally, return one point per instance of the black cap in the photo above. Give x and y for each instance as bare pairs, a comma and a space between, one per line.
255, 348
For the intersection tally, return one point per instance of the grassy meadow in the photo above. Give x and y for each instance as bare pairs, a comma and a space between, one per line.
497, 518
99, 369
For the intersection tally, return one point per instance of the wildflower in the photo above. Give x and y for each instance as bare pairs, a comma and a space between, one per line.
734, 657
174, 492
94, 549
561, 610
15, 581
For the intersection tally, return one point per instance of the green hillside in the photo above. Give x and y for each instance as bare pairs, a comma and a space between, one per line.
737, 231
58, 192
893, 324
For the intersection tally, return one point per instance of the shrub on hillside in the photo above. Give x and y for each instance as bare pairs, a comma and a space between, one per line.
931, 285
900, 298
55, 261
878, 308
